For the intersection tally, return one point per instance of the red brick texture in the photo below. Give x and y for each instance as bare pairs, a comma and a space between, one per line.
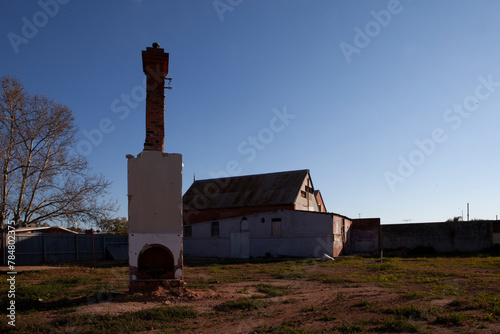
155, 66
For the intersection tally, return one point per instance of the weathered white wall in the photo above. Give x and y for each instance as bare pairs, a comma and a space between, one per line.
155, 192
308, 203
172, 241
304, 234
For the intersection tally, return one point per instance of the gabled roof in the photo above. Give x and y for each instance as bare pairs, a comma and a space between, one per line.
42, 229
319, 198
270, 189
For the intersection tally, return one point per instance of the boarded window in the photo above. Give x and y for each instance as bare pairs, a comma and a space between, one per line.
276, 226
215, 229
188, 231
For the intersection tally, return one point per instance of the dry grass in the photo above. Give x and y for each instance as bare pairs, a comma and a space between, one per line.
349, 295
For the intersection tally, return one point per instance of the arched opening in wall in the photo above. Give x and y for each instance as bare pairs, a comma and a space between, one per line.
155, 262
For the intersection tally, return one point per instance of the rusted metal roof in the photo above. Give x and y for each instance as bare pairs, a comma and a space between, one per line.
269, 189
44, 229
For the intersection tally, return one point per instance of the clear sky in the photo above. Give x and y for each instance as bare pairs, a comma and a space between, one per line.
394, 106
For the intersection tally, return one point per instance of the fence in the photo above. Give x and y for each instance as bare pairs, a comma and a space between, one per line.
462, 236
33, 248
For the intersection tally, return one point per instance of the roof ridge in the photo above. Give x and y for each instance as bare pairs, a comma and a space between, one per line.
267, 189
253, 175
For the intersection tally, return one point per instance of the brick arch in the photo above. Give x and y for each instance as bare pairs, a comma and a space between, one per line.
155, 262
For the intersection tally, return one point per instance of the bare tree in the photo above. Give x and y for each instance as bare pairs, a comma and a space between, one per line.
41, 178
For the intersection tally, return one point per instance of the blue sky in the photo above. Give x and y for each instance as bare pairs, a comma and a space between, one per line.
393, 106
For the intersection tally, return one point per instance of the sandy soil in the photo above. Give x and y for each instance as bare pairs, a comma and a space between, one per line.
312, 300
310, 304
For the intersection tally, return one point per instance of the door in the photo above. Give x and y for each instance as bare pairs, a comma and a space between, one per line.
240, 245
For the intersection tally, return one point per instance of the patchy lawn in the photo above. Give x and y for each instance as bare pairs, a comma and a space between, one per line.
349, 295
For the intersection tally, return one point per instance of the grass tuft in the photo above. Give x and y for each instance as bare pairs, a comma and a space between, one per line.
452, 320
363, 304
397, 325
285, 329
349, 328
273, 291
327, 317
309, 309
245, 304
163, 313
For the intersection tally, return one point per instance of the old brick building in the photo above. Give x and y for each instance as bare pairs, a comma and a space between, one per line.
221, 198
273, 214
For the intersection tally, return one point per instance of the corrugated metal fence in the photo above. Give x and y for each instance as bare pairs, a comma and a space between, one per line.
33, 248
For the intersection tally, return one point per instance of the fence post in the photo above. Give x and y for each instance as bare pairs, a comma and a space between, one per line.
103, 247
4, 250
76, 248
44, 245
93, 248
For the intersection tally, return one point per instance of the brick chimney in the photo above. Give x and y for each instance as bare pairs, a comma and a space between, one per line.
155, 66
155, 193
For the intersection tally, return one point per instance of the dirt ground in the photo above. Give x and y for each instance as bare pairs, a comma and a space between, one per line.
305, 307
320, 298
310, 305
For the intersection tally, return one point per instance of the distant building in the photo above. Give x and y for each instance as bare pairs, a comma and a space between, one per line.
44, 229
275, 233
319, 200
222, 198
273, 214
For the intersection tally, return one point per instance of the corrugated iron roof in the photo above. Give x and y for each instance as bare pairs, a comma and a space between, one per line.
43, 229
245, 191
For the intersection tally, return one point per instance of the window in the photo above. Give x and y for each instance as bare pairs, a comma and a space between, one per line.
276, 226
303, 193
215, 229
188, 231
309, 190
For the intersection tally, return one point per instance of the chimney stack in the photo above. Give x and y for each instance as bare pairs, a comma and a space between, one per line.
155, 66
155, 193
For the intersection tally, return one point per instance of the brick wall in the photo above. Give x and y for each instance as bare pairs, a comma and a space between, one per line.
155, 66
364, 235
468, 236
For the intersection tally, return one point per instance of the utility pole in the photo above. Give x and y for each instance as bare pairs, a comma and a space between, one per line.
467, 211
